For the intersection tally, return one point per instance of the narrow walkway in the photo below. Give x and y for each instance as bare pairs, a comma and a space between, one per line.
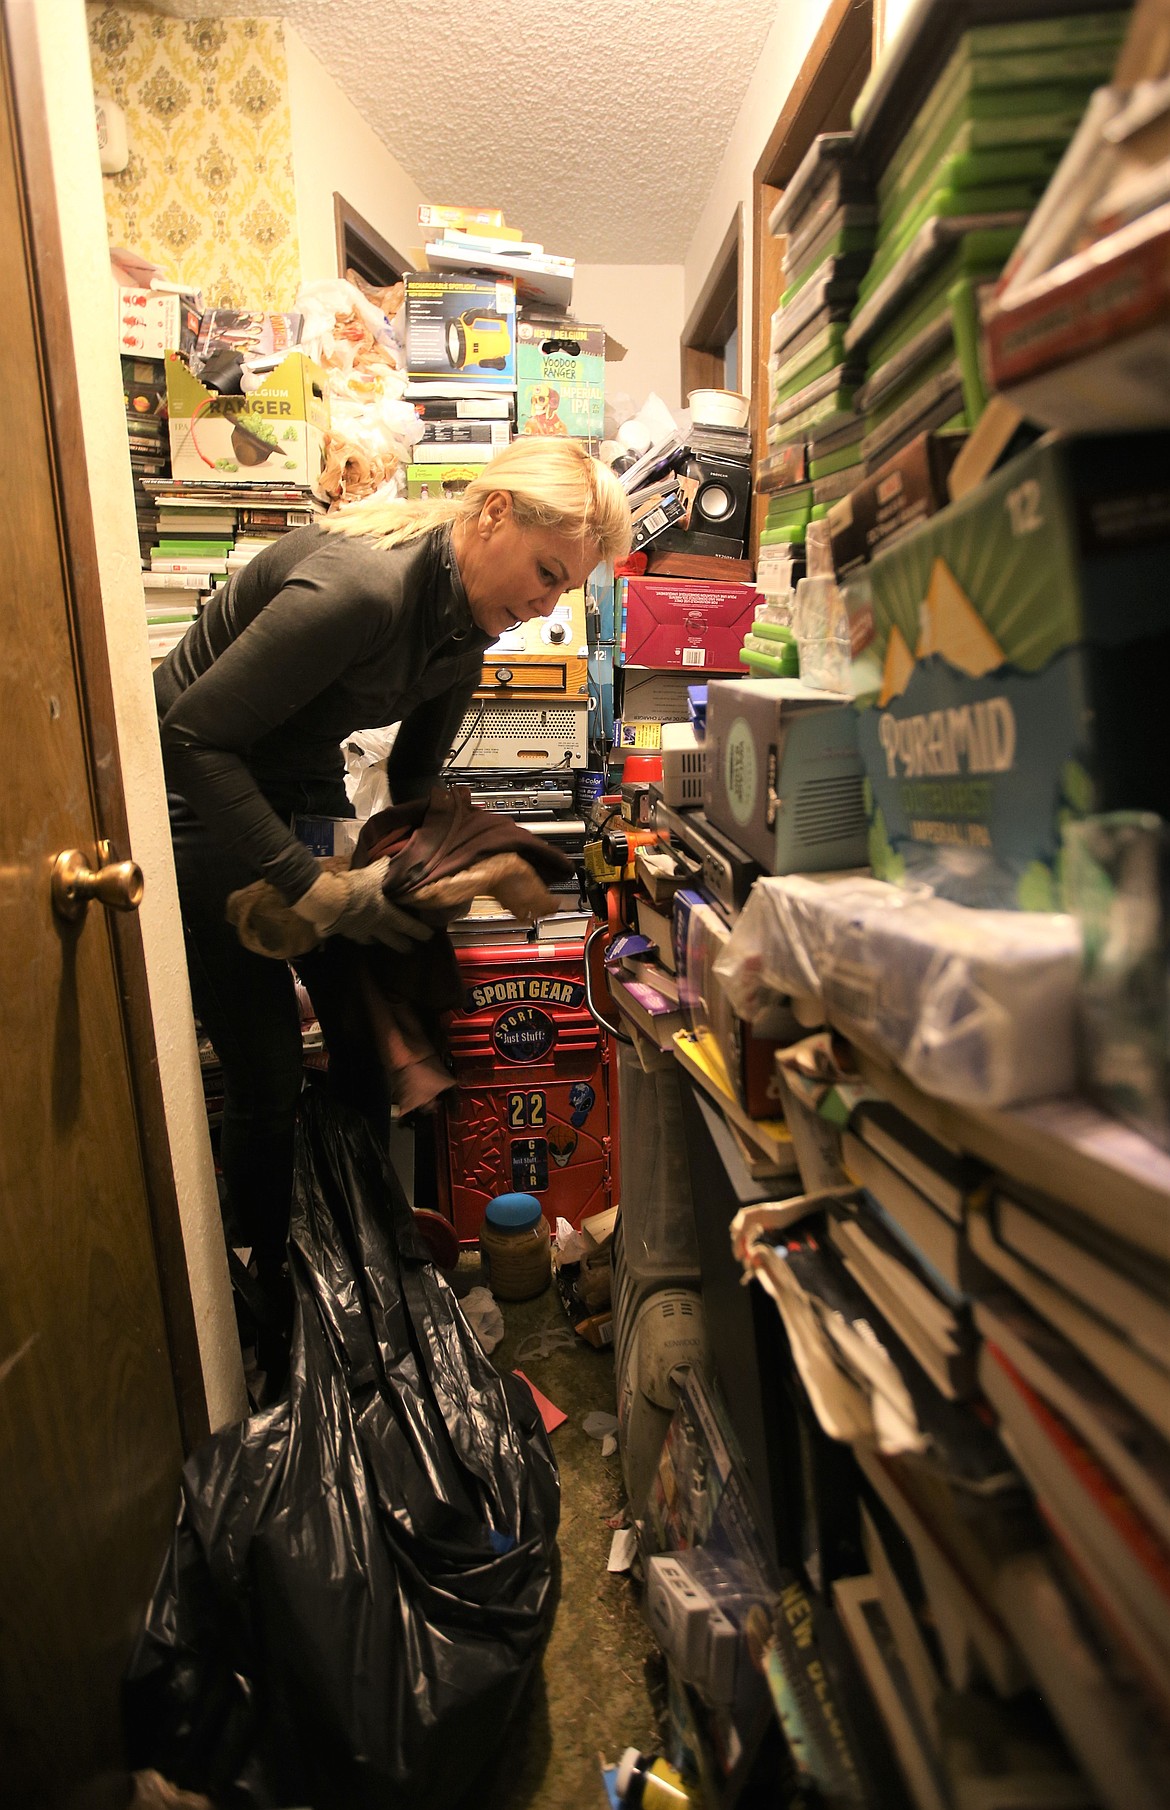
591, 1696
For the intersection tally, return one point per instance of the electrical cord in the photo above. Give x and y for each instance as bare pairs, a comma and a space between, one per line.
457, 751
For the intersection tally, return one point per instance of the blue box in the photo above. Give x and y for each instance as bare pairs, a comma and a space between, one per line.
601, 693
600, 607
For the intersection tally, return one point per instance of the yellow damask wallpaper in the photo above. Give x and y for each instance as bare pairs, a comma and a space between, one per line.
208, 192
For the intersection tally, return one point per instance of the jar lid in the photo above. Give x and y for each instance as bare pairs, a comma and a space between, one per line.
513, 1211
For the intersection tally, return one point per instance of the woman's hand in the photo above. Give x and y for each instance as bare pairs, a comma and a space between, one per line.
353, 904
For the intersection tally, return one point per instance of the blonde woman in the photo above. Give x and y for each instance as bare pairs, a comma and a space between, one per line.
378, 615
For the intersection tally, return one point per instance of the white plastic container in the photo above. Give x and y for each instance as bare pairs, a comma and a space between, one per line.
719, 408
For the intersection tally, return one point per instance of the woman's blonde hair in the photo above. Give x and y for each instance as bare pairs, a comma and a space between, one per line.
553, 484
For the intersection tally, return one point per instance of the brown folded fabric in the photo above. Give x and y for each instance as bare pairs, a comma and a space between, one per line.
444, 851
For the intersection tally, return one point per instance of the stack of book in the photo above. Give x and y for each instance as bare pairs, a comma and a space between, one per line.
479, 240
144, 389
202, 534
458, 432
953, 198
826, 218
999, 1361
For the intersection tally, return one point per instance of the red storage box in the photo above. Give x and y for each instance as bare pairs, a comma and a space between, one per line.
685, 622
531, 1111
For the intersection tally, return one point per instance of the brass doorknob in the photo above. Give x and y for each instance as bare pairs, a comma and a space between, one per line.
118, 885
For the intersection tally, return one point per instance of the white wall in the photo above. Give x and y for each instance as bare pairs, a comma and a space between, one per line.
641, 305
335, 150
784, 51
68, 103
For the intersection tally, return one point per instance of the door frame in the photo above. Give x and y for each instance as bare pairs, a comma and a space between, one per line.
87, 617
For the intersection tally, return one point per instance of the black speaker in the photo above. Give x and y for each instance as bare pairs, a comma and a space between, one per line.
722, 504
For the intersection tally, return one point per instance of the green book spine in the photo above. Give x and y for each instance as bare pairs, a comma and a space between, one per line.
980, 254
1061, 33
851, 240
993, 88
830, 339
913, 381
964, 300
189, 549
835, 462
946, 204
965, 135
819, 367
787, 667
773, 631
779, 537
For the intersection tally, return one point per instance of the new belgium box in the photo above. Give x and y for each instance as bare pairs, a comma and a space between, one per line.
275, 435
1022, 674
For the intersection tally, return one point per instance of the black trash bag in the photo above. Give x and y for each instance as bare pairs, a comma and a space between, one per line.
360, 1580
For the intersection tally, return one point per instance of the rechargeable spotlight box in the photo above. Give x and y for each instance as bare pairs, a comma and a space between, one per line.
560, 379
274, 435
461, 329
1020, 669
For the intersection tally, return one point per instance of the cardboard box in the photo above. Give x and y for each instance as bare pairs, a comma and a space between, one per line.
276, 435
1022, 638
560, 379
685, 622
461, 328
153, 322
438, 481
783, 776
905, 490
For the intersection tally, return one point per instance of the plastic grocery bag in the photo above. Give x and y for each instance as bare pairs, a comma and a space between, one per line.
360, 1580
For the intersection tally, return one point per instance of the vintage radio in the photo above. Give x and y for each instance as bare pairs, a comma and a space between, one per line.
548, 655
527, 732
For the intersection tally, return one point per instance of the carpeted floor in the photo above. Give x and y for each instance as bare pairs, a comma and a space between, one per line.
591, 1695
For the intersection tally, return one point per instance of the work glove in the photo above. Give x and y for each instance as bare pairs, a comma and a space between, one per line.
353, 904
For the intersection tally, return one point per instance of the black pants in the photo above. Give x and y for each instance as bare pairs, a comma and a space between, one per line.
248, 1008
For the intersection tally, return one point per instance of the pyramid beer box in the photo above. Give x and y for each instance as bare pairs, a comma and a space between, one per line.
274, 435
1019, 669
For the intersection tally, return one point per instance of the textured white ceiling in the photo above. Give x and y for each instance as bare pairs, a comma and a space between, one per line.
597, 128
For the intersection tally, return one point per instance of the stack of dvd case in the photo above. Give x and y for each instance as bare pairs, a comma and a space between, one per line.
953, 197
827, 218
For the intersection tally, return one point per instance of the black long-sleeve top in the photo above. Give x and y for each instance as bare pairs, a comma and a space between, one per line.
320, 634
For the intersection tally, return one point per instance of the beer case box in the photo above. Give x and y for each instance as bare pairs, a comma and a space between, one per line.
783, 776
685, 622
461, 329
1020, 669
435, 483
560, 379
153, 322
274, 435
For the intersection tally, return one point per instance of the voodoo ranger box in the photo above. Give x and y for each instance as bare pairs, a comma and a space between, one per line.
1019, 669
560, 379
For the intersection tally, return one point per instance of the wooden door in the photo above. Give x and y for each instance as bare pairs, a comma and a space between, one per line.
90, 1445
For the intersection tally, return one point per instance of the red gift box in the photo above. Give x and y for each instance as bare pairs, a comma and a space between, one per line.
686, 622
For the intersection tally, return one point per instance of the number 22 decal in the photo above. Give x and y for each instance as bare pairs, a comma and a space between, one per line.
526, 1110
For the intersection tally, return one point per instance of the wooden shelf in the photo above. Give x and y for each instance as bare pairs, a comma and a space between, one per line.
1066, 1149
